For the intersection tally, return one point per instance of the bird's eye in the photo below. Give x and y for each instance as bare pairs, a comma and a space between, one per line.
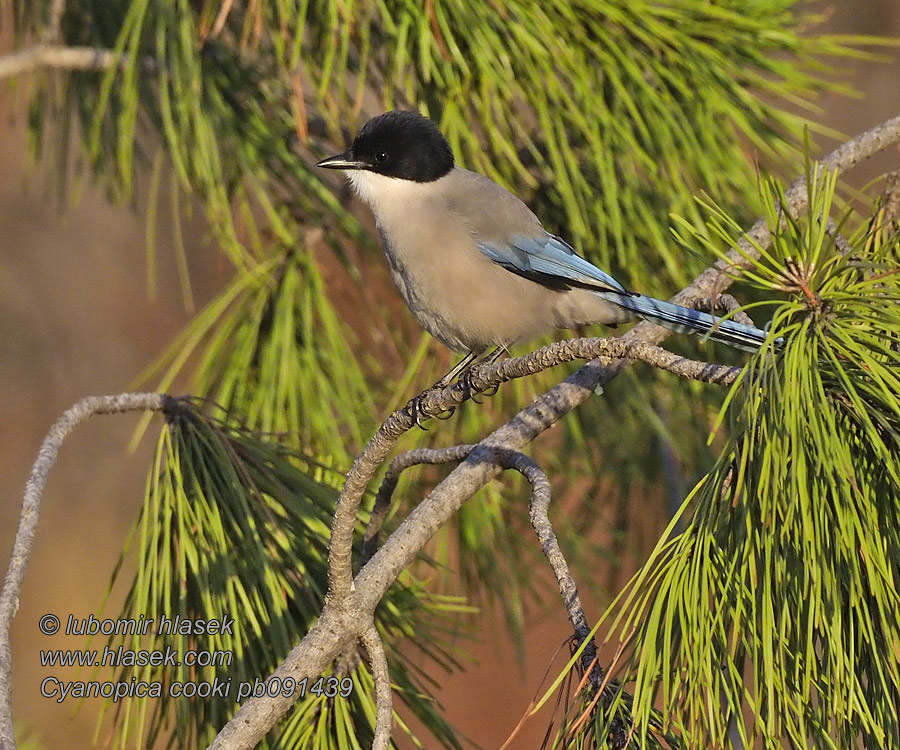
381, 157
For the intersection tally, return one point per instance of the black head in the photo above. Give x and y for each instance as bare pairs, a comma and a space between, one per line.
400, 144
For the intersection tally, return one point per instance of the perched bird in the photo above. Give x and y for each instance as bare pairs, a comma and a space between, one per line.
473, 263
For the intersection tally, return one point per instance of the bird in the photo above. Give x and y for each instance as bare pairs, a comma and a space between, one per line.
473, 263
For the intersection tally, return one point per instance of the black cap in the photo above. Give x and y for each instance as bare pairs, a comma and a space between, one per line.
401, 144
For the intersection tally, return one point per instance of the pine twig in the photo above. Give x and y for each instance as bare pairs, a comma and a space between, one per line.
538, 513
431, 456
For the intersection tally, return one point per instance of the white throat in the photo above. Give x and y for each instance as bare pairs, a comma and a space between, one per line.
380, 191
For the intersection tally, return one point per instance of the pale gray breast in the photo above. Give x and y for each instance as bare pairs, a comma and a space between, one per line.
422, 296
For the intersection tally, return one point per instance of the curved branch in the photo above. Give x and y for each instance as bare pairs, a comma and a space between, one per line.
401, 463
484, 377
540, 521
538, 514
348, 607
384, 710
31, 505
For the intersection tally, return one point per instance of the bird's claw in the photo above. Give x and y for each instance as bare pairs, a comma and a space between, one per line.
416, 407
492, 391
417, 411
471, 392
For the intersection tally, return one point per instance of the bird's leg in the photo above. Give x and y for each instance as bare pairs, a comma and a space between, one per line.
416, 407
464, 364
465, 378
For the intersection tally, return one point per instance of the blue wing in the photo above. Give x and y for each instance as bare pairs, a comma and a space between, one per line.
549, 260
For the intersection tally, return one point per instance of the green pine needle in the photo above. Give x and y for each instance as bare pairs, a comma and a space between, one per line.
236, 526
775, 613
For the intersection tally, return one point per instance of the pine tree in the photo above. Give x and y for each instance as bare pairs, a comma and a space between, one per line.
768, 611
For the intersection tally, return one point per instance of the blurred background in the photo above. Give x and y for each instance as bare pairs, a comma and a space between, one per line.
76, 319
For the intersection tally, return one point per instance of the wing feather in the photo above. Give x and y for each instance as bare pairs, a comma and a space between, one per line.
550, 261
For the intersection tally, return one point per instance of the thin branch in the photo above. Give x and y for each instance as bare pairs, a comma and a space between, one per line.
384, 710
538, 513
483, 378
347, 614
31, 505
401, 463
60, 57
539, 506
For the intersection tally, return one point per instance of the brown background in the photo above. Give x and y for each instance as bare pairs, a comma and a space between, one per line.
75, 320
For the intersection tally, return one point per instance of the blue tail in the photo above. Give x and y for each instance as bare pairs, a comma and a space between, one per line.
685, 320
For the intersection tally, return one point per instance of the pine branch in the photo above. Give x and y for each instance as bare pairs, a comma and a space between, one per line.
540, 521
484, 378
31, 505
538, 513
383, 498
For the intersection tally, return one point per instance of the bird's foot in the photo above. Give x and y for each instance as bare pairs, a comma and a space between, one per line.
418, 411
463, 373
466, 377
469, 389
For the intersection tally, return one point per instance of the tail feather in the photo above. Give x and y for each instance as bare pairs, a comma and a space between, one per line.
685, 320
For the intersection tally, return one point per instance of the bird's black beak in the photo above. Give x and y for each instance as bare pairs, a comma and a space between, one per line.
341, 161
